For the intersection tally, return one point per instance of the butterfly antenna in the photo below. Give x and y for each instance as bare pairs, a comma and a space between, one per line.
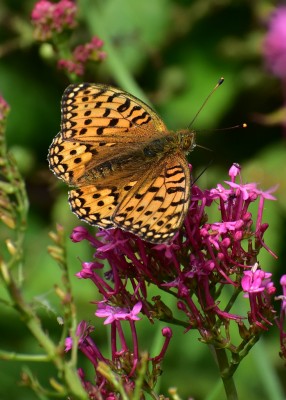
202, 172
244, 125
206, 100
203, 147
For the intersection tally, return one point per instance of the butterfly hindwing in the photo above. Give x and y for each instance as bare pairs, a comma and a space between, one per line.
156, 206
94, 206
69, 162
153, 207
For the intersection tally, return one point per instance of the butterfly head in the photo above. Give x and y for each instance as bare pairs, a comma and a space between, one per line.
187, 140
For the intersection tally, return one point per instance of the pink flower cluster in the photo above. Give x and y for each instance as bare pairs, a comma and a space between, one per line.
49, 17
81, 55
274, 46
205, 261
281, 321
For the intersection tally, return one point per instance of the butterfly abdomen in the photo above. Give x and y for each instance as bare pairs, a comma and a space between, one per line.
154, 148
140, 155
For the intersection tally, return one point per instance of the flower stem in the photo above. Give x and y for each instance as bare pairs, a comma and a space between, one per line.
227, 379
34, 325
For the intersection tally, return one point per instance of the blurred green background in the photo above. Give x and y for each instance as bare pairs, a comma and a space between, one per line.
176, 51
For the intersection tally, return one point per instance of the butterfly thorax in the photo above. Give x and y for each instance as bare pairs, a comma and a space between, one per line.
181, 140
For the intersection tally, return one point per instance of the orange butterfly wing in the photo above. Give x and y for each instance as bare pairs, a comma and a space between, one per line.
157, 204
154, 207
99, 122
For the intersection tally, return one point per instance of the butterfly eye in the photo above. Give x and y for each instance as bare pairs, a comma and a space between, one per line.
187, 140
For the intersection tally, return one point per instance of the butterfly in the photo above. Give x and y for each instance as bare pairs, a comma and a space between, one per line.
126, 168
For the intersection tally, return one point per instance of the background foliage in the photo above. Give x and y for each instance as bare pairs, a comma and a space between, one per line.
176, 51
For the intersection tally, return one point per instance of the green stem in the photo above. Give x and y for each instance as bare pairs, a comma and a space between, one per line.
227, 379
70, 316
34, 325
112, 378
11, 356
18, 213
141, 373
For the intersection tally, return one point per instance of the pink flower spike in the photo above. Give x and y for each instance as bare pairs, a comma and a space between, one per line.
49, 18
224, 227
220, 192
117, 313
274, 46
81, 55
79, 233
68, 344
83, 330
266, 194
247, 190
234, 171
41, 10
135, 310
256, 280
283, 284
87, 271
167, 333
97, 42
71, 66
211, 251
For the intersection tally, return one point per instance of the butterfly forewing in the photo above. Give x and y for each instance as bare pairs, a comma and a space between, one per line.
99, 122
95, 113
